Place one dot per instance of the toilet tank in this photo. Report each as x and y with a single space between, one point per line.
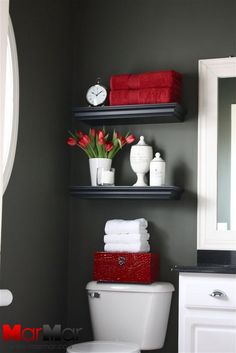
130 312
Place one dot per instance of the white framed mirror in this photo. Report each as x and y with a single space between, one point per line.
217 155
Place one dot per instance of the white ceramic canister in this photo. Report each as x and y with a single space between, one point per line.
140 157
157 171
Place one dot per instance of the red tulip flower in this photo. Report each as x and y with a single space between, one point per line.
79 134
101 137
117 134
86 139
122 140
71 141
108 146
82 144
130 139
93 132
101 134
96 144
101 141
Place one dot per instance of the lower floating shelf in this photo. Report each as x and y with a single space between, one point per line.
127 192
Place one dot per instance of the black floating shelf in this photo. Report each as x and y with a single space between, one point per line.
127 192
130 114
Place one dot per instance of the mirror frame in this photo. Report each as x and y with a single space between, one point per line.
210 70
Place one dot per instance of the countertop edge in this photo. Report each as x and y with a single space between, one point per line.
230 269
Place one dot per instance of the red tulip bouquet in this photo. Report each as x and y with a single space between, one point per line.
97 144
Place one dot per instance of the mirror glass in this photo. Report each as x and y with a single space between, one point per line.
226 155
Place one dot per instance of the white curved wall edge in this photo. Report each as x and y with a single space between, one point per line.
12 149
4 16
208 237
6 297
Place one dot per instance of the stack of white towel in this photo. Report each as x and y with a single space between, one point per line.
126 235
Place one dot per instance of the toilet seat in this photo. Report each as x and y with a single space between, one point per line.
103 347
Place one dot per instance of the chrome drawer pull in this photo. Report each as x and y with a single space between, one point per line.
217 294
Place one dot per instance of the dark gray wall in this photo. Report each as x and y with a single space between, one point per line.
109 37
133 36
35 210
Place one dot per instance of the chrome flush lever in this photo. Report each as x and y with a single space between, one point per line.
94 295
217 294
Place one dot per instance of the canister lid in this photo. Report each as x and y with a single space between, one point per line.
156 287
104 347
157 158
141 142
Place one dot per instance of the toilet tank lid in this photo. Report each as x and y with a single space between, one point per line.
156 287
104 347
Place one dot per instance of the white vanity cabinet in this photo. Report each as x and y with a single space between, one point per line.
207 313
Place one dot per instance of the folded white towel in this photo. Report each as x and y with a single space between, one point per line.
135 247
143 232
126 238
121 226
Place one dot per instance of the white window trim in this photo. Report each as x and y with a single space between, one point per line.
233 168
208 237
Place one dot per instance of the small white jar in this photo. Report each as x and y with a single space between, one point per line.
157 171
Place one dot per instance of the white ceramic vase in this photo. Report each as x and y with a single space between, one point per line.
94 164
140 158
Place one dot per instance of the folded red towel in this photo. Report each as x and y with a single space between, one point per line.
154 79
144 96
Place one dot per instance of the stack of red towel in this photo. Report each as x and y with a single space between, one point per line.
146 88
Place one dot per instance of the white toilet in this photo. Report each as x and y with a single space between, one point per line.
127 318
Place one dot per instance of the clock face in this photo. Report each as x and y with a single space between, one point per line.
96 95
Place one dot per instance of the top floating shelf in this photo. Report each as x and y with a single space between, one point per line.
130 114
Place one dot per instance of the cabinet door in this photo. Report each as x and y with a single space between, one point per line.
208 335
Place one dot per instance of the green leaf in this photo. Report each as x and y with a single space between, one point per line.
73 135
120 144
116 142
92 142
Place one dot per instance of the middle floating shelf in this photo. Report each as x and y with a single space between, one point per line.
127 192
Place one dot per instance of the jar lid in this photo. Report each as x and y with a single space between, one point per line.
141 142
157 158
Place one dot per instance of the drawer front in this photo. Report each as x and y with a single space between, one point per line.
210 291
